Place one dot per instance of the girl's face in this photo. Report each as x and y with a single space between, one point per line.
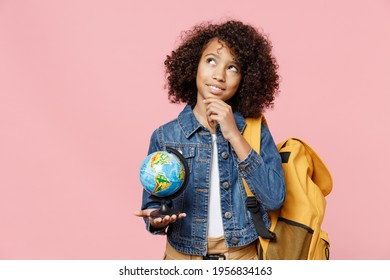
218 73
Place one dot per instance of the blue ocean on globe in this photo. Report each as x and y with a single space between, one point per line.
162 174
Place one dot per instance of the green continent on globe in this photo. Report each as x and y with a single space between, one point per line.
162 183
158 158
181 174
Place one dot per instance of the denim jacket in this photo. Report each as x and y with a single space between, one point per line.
263 174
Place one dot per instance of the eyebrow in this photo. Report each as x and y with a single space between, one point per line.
213 54
217 55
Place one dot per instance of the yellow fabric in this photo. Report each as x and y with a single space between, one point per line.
297 224
215 245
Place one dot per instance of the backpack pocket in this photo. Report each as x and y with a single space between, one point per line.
292 241
322 250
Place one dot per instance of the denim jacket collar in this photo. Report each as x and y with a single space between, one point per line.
189 124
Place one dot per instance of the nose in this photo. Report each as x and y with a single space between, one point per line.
219 74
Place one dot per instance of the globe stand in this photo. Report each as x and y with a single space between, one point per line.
164 209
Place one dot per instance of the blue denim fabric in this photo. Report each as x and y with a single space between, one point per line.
263 174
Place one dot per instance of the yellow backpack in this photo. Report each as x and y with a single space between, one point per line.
295 232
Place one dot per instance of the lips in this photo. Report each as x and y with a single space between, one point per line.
215 89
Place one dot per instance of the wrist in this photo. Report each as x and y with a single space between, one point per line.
240 146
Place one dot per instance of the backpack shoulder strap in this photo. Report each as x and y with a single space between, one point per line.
252 134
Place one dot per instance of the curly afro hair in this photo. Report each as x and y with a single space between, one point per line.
259 83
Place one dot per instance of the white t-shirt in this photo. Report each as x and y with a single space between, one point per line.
215 224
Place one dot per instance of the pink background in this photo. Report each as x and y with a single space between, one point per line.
81 90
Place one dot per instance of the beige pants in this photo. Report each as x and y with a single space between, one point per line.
216 246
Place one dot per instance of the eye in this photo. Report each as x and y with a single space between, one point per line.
211 61
233 68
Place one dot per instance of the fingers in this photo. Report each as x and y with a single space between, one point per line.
182 215
217 110
159 222
143 213
168 219
164 221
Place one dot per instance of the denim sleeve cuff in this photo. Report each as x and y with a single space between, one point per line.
156 231
250 163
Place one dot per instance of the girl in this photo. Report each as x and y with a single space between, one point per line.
225 73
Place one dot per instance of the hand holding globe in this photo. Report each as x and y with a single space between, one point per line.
164 175
160 222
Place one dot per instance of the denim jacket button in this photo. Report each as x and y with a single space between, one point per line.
225 155
228 215
243 167
225 185
234 240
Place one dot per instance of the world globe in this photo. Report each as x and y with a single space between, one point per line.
162 174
